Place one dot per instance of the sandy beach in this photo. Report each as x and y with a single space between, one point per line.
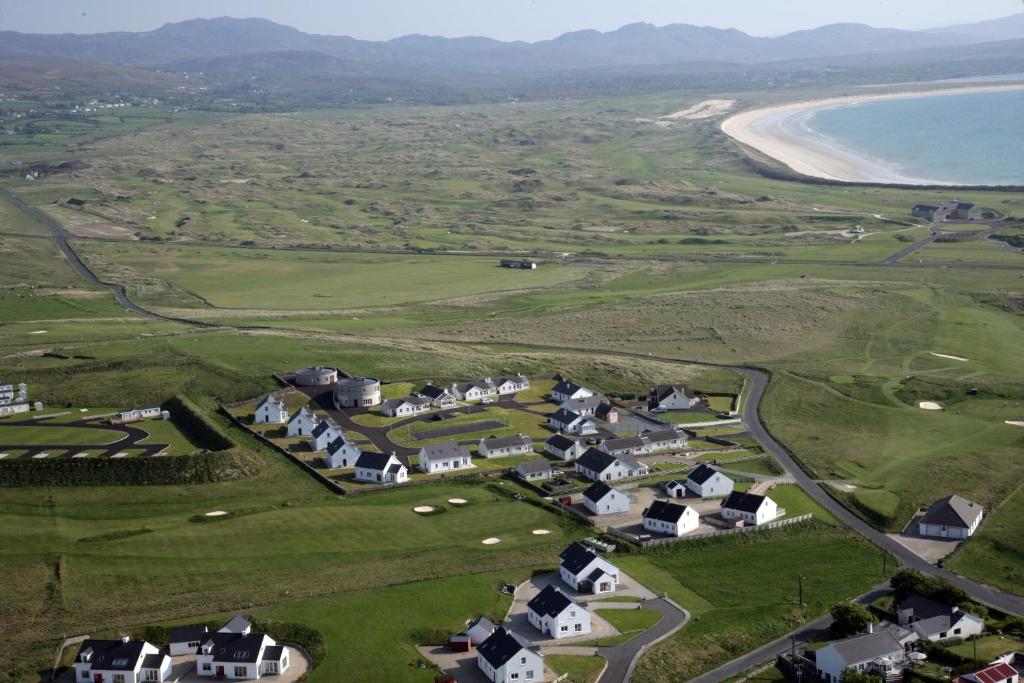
779 132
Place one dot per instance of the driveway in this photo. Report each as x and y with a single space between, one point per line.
519 623
932 550
183 670
461 665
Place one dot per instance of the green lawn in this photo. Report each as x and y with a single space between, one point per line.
989 647
577 668
62 436
629 622
996 552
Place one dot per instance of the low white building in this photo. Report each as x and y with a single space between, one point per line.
342 453
626 445
511 384
534 470
270 410
673 397
444 457
186 640
879 653
665 440
504 446
405 406
566 390
571 423
474 390
602 499
933 620
564 448
136 414
239 654
503 658
325 432
555 614
11 392
303 422
952 517
600 466
749 509
585 571
378 468
707 482
120 661
439 397
669 519
675 490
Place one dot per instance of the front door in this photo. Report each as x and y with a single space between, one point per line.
220 672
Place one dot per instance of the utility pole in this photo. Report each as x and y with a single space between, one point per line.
800 583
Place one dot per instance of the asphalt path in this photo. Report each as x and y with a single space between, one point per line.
622 659
130 438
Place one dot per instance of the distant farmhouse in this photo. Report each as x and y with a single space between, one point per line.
960 211
567 390
951 517
673 397
526 264
564 447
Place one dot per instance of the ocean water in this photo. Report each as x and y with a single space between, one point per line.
968 138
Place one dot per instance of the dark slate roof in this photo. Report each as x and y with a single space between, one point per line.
674 484
576 557
448 449
304 410
432 391
664 391
868 646
549 602
561 442
595 460
925 207
664 435
625 443
702 474
665 512
235 647
587 402
273 653
236 624
924 608
534 466
270 398
597 491
515 379
744 502
187 634
112 655
483 385
563 416
338 443
567 387
605 409
372 461
507 441
499 648
952 511
153 661
324 425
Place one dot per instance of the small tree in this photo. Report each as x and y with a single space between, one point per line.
850 618
854 676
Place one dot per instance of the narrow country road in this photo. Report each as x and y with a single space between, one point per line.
902 253
622 659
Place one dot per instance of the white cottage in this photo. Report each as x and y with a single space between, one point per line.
749 509
342 453
444 457
586 572
707 482
378 468
186 640
439 396
564 448
879 653
933 620
567 390
475 390
504 446
665 440
121 661
669 519
951 517
324 434
270 410
503 658
672 397
511 384
303 422
571 423
600 466
240 656
534 470
405 406
602 499
555 614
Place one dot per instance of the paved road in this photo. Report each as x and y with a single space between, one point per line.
622 659
130 438
902 253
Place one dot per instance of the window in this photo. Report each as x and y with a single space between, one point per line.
271 667
207 666
564 628
522 660
152 675
514 676
529 675
85 675
118 678
241 671
579 628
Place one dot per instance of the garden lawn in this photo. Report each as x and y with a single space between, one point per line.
577 668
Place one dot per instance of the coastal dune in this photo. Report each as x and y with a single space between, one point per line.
780 133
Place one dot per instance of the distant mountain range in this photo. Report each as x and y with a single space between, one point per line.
254 54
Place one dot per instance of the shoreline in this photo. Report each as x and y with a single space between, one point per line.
765 129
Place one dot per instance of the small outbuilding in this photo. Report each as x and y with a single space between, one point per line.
707 482
670 519
602 499
952 517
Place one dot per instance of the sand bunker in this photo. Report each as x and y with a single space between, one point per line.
3 455
217 513
80 455
457 501
702 110
541 532
929 405
423 508
38 332
1015 423
41 455
119 455
491 541
946 355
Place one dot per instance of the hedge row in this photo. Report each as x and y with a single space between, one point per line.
198 468
189 420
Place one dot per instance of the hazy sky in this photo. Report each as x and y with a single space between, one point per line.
503 19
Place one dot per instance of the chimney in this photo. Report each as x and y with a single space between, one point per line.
871 628
125 638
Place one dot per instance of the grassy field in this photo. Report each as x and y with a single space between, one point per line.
579 669
629 622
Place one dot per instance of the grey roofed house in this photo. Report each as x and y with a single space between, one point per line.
187 634
482 385
867 647
378 461
665 512
236 624
549 602
588 403
448 449
111 655
565 417
595 460
561 442
493 442
744 502
702 474
915 607
626 443
597 491
662 435
567 387
434 392
534 467
952 511
515 379
234 647
500 647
